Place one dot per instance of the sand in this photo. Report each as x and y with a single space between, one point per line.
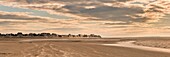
71 49
130 44
160 43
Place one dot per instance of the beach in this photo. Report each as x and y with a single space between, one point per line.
78 28
71 49
159 43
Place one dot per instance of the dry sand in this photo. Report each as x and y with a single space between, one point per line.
71 49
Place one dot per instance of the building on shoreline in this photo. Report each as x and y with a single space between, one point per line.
47 35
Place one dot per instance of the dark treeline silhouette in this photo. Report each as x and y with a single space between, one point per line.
47 35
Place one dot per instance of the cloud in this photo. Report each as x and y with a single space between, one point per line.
15 17
107 17
142 10
65 29
154 9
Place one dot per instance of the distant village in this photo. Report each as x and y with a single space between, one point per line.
47 35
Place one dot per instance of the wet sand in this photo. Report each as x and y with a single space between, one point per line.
71 49
159 43
131 44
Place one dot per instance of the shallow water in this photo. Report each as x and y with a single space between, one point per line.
130 44
33 12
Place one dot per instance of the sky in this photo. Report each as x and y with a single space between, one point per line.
109 18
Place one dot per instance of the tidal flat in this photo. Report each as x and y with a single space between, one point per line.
159 43
71 48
